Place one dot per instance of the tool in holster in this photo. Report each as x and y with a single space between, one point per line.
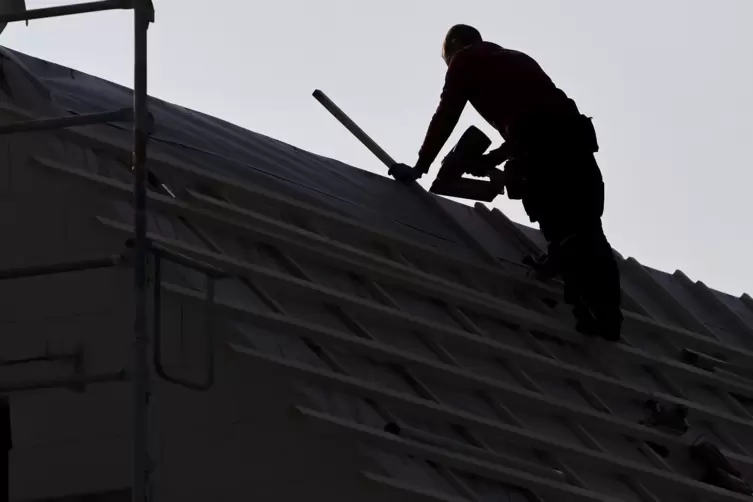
560 134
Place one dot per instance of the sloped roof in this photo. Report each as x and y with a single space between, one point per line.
409 319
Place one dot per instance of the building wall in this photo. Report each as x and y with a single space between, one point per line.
60 437
239 441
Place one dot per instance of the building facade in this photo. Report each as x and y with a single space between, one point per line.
364 340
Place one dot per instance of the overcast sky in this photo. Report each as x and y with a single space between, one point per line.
668 82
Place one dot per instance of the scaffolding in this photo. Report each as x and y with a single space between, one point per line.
138 114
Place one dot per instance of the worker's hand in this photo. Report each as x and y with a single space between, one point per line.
488 162
404 173
482 166
497 156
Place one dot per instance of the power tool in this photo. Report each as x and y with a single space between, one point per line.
464 158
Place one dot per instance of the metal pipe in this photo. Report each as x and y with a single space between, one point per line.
46 358
59 268
209 312
123 115
456 446
353 128
72 382
6 444
143 14
66 10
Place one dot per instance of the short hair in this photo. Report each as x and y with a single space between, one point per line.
461 35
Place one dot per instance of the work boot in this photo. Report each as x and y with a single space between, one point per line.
589 323
587 327
585 322
610 326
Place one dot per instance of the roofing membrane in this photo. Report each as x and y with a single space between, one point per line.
463 376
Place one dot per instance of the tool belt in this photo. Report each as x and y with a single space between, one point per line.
546 141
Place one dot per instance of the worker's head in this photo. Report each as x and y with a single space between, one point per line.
458 37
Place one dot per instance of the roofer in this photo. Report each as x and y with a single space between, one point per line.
548 150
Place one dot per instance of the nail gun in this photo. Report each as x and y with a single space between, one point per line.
466 157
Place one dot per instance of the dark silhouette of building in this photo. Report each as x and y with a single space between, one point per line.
366 343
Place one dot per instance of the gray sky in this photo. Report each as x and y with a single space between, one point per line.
669 84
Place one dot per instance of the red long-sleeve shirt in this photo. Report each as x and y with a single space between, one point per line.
503 85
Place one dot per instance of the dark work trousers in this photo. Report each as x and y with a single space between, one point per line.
566 197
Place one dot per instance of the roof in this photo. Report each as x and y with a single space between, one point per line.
409 319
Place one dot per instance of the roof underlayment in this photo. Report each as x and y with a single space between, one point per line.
463 376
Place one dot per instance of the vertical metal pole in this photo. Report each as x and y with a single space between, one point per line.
140 397
6 443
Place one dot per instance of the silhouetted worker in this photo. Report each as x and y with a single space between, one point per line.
549 147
